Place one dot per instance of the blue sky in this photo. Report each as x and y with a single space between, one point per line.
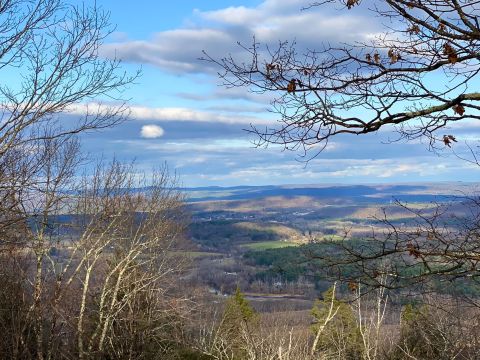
182 116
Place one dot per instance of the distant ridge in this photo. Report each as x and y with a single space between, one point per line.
368 193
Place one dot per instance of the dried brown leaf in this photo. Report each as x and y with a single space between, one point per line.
459 109
292 86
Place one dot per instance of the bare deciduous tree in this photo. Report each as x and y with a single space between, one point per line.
418 75
97 266
437 249
89 264
53 85
51 49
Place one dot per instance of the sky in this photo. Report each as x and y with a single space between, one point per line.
182 116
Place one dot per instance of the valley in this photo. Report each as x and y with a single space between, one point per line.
262 238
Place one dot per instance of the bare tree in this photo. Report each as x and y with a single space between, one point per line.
98 265
52 48
272 337
128 264
53 85
90 265
332 311
437 249
418 75
370 319
439 329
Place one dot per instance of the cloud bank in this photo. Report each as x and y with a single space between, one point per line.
200 132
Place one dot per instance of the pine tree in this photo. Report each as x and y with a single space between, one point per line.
239 321
341 336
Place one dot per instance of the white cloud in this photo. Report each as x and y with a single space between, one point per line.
239 15
188 114
172 114
234 162
340 170
151 132
204 147
218 32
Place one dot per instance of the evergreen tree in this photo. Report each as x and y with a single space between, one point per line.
239 321
341 337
